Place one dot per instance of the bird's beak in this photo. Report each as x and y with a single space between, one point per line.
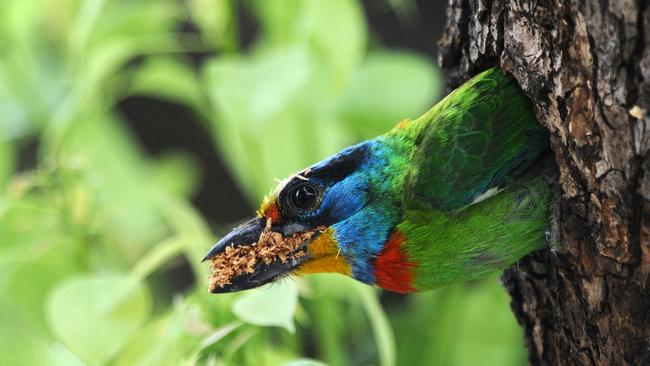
248 234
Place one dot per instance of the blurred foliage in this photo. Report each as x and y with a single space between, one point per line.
87 235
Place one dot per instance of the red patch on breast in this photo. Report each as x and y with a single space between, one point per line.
393 271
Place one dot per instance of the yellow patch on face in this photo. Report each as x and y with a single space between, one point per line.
325 256
266 204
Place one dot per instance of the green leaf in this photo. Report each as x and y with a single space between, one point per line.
337 49
219 333
59 355
273 305
389 87
94 316
169 78
252 91
304 362
130 19
165 340
22 341
33 265
158 256
280 20
254 98
125 205
217 21
338 32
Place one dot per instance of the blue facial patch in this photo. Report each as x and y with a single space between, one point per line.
357 202
344 198
361 237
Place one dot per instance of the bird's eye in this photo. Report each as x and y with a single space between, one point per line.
304 196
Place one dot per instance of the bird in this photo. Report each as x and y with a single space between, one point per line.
448 197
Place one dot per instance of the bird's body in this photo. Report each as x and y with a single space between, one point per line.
444 198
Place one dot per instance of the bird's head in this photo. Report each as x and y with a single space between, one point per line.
343 209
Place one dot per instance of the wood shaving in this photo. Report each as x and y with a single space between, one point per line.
637 112
271 246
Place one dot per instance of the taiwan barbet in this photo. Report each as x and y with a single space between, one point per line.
450 196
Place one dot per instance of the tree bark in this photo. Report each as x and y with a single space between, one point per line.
586 66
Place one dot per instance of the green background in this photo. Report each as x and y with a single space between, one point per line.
93 230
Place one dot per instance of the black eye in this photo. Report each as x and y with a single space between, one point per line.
304 196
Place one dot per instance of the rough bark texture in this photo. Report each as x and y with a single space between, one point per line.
586 66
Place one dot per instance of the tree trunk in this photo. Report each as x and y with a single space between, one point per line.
586 66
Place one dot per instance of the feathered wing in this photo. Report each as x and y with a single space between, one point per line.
478 138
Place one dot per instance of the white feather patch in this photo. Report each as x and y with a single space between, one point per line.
487 194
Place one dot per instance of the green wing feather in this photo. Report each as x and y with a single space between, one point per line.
480 136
